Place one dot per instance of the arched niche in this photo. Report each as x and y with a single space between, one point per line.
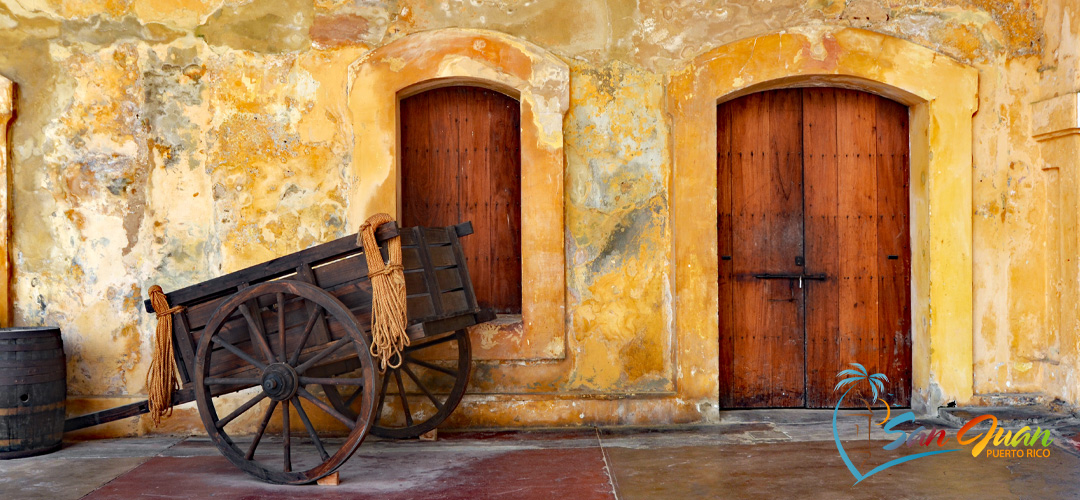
942 97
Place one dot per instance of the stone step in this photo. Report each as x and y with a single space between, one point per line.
1008 417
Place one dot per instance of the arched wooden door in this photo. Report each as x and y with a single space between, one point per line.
461 161
813 236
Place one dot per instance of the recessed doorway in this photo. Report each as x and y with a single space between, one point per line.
814 244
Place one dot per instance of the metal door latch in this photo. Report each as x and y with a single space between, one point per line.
800 277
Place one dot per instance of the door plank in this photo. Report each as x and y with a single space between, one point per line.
476 188
725 249
894 283
857 231
822 255
746 250
786 238
506 216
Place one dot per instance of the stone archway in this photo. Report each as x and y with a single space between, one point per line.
942 96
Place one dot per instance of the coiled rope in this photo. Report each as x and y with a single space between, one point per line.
389 315
161 379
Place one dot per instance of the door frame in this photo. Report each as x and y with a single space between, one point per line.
941 95
540 82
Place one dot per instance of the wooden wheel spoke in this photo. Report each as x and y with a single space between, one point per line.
308 328
323 354
331 381
430 366
231 381
404 398
286 436
281 326
416 380
262 428
424 345
236 350
325 407
335 398
349 401
382 396
256 331
220 424
311 429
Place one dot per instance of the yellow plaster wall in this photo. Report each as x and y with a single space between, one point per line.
1056 127
172 141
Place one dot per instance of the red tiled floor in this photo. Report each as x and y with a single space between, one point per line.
465 472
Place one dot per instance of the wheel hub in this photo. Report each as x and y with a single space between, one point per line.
280 381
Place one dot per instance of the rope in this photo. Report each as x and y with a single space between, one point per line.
388 309
161 379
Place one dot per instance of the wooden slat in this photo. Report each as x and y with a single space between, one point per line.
477 195
442 256
420 307
784 158
185 348
227 284
454 323
820 167
429 271
464 278
448 279
894 284
857 229
320 333
415 282
454 303
356 295
436 235
410 258
505 172
340 271
749 123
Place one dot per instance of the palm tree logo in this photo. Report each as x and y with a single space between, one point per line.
876 382
877 386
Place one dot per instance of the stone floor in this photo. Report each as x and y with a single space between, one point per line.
750 454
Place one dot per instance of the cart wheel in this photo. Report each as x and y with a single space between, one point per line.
418 396
323 347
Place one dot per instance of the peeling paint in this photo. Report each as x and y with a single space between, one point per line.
171 141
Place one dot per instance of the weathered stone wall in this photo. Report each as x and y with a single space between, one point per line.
1056 123
172 141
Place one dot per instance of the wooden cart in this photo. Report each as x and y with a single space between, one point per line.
228 338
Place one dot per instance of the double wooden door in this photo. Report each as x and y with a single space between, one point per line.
813 236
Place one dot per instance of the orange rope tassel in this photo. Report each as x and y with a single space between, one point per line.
161 379
389 315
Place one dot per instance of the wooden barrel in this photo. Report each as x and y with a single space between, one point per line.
33 388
